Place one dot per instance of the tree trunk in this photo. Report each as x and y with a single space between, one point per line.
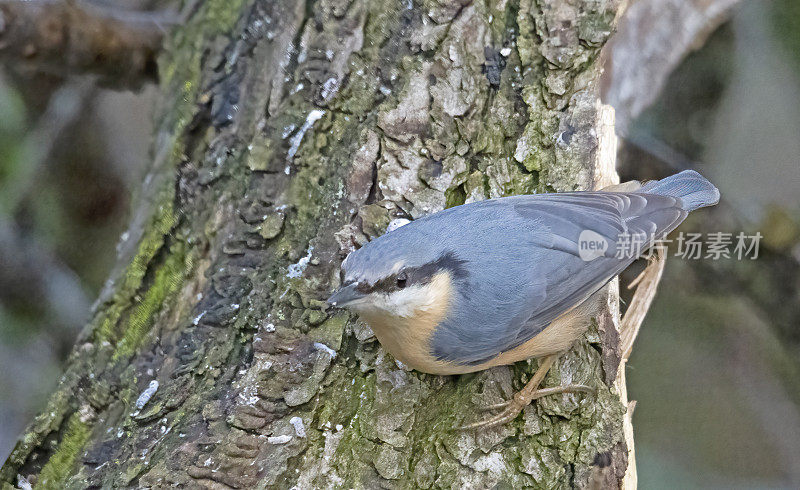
288 134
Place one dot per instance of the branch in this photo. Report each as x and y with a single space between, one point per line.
646 284
652 38
66 38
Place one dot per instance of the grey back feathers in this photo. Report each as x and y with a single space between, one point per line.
518 259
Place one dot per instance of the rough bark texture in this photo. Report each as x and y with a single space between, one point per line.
288 134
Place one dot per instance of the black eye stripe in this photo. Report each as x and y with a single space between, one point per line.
447 262
419 275
388 284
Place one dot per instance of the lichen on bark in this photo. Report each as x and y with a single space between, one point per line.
291 133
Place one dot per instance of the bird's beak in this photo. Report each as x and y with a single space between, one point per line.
345 295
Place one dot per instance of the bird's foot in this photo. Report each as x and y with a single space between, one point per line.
519 401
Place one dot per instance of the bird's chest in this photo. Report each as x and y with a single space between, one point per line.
408 336
407 339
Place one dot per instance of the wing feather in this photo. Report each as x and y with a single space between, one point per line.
558 279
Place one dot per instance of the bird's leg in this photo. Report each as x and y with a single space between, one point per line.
523 398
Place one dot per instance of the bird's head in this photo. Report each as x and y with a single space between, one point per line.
397 274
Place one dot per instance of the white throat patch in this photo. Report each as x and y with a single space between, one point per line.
406 302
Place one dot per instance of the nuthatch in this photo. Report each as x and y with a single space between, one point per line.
498 281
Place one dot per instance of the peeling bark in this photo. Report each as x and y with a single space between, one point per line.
289 134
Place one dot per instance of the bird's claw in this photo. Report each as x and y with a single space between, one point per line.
495 406
518 402
512 409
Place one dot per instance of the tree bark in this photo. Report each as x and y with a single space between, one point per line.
288 134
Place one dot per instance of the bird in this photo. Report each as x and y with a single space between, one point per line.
498 281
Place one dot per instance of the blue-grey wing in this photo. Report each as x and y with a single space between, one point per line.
550 277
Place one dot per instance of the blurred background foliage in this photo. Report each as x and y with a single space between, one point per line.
716 367
71 155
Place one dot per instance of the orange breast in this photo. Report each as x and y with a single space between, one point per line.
409 338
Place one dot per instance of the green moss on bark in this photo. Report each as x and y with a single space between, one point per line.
167 279
62 462
152 241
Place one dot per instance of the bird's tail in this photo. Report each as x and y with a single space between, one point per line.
694 190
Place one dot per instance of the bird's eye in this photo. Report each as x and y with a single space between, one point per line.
402 279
